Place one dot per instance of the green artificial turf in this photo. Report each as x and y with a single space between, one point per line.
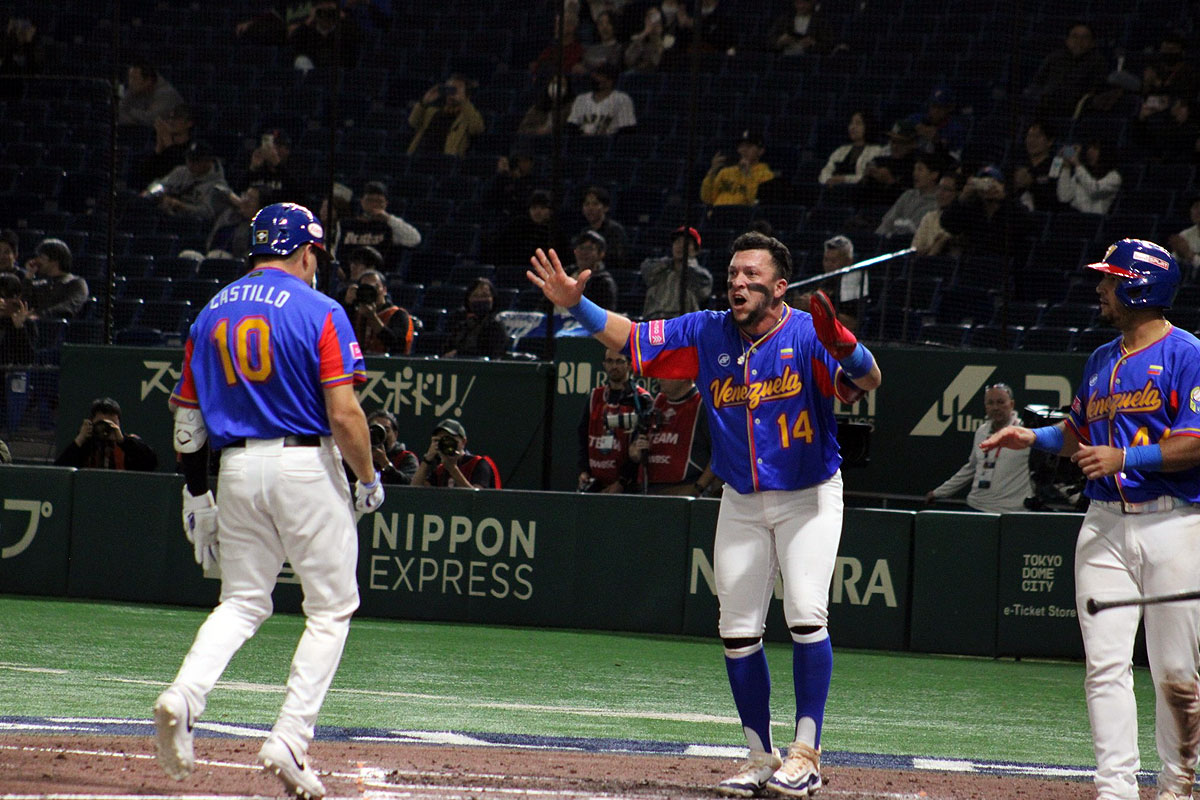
60 658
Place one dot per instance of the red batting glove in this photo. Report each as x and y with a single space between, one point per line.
835 336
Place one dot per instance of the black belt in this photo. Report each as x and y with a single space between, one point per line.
299 440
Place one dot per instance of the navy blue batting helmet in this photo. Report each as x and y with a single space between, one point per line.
278 229
1149 272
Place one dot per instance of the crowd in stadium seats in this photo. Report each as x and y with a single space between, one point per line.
444 112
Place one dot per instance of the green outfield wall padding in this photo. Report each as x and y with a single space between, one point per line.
1036 612
35 529
954 583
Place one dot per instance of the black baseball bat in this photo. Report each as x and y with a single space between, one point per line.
1094 605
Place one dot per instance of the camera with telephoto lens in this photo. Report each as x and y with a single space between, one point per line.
103 429
378 434
633 421
366 294
447 445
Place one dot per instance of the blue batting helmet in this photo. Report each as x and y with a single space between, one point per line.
280 228
1150 275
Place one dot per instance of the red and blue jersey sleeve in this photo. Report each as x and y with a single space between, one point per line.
184 393
340 356
667 348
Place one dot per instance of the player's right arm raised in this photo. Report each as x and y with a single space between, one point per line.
1057 439
547 274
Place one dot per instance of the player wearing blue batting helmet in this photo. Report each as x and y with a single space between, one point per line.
279 229
1150 275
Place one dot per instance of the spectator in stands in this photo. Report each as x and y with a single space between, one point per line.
987 219
1168 76
448 462
271 167
674 447
889 174
604 462
803 31
332 217
381 327
939 129
101 444
848 162
999 479
23 48
715 28
230 236
931 239
663 276
1185 245
357 262
444 118
539 118
9 246
603 111
191 190
172 137
5 453
517 240
396 463
1069 74
1170 136
853 289
475 332
374 226
546 64
596 203
902 219
507 192
1089 181
18 328
737 184
607 49
679 31
327 39
270 27
147 97
601 288
54 291
1032 182
645 50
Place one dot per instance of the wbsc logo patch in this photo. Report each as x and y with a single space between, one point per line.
657 332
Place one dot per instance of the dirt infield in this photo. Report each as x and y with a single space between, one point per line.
124 766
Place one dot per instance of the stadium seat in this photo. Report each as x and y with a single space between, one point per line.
948 334
151 290
1069 315
137 336
224 270
994 337
196 291
168 316
1048 338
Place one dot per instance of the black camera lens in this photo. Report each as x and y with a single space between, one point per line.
447 445
378 434
367 293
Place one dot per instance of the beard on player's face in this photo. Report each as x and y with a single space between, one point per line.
752 303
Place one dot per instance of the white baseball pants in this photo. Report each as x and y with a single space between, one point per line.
1126 555
763 534
278 503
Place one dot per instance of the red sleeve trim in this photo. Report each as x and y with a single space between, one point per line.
1079 435
329 348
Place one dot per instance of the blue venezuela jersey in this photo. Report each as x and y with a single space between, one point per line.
771 418
1136 398
259 355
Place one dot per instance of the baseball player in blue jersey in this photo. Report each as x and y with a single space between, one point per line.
768 374
1134 430
268 379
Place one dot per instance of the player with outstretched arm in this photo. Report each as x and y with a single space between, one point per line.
268 378
769 374
1134 430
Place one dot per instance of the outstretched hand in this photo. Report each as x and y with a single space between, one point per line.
1014 437
1099 461
547 274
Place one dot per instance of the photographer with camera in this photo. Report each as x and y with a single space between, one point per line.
101 444
672 443
382 328
610 417
448 462
396 464
444 118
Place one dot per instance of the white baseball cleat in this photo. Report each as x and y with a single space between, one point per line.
753 775
800 775
300 781
173 725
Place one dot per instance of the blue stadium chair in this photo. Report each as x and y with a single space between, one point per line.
175 268
460 238
1081 289
85 331
430 266
152 290
1088 339
1023 313
158 245
946 334
443 296
506 299
1048 339
729 216
1069 315
433 320
992 337
137 336
462 273
136 266
221 269
43 181
168 316
405 295
968 304
126 311
196 291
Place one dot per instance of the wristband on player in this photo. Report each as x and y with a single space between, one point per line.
1142 458
1049 438
592 317
372 486
859 363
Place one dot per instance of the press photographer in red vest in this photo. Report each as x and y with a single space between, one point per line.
447 462
381 326
673 446
609 418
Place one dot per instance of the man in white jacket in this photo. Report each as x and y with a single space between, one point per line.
1000 479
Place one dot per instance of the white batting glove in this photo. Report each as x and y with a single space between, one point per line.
368 497
200 525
